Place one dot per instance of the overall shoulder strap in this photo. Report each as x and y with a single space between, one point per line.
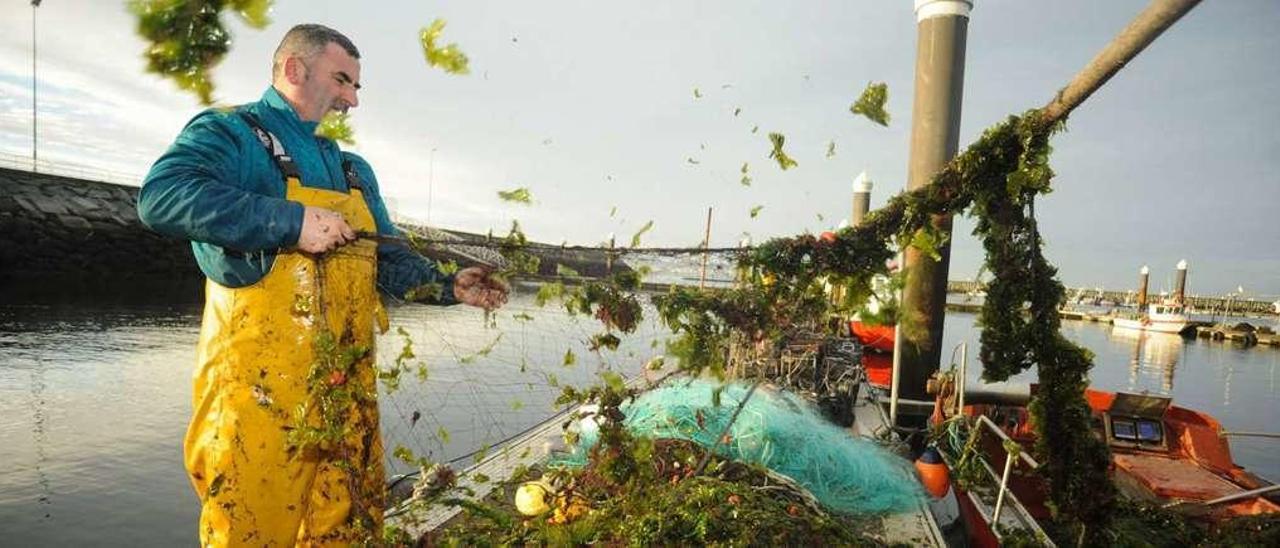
273 147
353 177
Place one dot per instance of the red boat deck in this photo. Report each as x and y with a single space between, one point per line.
1175 478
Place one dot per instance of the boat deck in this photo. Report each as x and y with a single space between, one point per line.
916 527
1175 478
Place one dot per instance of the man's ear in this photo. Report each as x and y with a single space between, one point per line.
294 71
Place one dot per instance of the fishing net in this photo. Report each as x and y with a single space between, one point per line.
775 429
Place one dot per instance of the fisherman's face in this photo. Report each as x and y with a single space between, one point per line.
332 83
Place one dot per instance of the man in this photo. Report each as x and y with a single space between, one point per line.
283 445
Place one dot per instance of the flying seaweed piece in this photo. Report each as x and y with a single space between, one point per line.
697 94
482 352
785 162
520 195
871 103
755 129
755 211
187 39
831 149
613 211
746 179
737 111
414 419
570 358
603 340
334 126
635 238
692 161
448 58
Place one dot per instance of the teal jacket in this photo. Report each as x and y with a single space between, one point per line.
218 187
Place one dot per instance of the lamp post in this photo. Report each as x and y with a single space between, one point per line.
35 166
431 182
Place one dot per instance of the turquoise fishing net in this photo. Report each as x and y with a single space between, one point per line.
775 429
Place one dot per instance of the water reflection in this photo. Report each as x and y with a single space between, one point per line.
1154 355
40 438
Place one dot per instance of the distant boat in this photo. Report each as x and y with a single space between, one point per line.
1168 317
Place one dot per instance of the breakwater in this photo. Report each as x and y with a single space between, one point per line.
65 237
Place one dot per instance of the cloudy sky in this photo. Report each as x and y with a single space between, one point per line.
591 105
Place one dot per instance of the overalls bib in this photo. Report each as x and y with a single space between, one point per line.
283 446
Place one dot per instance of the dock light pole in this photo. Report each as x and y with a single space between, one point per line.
942 29
1180 283
1144 276
861 198
35 166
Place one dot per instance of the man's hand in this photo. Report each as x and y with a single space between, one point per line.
477 287
323 230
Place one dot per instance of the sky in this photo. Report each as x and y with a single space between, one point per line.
591 105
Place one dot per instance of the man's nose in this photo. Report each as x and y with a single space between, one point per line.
353 97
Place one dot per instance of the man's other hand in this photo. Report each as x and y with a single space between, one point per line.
476 286
323 230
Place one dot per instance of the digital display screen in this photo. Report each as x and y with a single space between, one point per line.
1149 431
1124 429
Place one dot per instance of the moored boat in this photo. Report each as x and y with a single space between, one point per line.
1169 317
1162 455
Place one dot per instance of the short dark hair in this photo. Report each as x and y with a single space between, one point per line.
307 41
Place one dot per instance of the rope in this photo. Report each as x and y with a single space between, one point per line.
496 243
725 431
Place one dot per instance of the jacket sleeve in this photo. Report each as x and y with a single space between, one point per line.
200 190
400 269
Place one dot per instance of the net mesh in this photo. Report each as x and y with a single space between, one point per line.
775 429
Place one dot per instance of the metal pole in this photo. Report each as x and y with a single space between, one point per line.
896 371
1143 279
706 243
963 380
431 182
942 28
1004 486
35 164
1180 283
897 375
608 256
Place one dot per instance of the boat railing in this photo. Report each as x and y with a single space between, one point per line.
1013 453
1272 435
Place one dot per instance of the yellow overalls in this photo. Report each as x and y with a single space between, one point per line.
285 423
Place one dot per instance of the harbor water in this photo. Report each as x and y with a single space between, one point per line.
94 400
